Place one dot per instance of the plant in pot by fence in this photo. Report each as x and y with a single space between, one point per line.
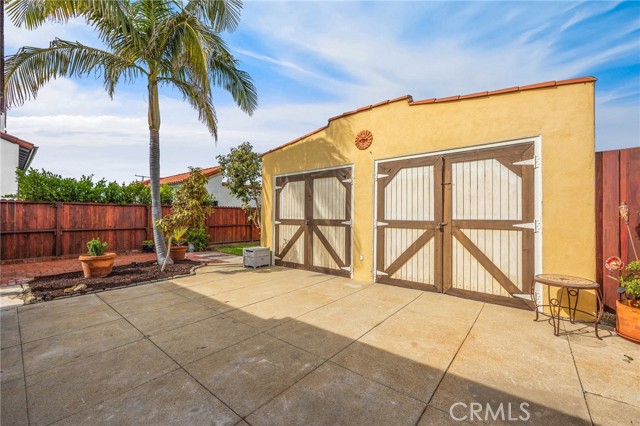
98 263
176 244
148 246
189 210
628 303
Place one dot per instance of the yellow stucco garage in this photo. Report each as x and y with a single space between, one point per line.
468 195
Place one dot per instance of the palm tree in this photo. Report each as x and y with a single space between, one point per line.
170 42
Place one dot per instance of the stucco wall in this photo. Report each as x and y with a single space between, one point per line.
8 163
563 116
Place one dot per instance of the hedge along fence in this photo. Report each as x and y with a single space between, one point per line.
37 230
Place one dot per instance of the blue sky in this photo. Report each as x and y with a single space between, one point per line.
314 60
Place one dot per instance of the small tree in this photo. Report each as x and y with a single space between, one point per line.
243 170
190 208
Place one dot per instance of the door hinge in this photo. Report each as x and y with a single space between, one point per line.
347 222
349 180
535 162
381 175
381 224
384 274
535 225
346 268
277 187
276 257
277 222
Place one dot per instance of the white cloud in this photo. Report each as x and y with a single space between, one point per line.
348 54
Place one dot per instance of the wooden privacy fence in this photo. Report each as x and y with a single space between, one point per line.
33 230
617 182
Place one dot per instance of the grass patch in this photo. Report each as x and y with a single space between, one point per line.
235 248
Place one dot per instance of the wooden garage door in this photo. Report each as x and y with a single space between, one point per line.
459 223
313 221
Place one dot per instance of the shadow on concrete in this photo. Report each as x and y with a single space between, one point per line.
330 379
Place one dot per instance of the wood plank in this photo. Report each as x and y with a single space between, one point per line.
291 242
332 252
439 190
486 263
407 284
308 214
507 161
528 216
409 224
447 238
413 248
514 302
506 225
610 221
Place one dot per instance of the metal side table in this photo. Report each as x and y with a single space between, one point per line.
572 285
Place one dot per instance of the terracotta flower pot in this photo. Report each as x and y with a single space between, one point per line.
628 321
97 266
177 253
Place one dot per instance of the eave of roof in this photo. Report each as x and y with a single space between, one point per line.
13 139
181 177
27 150
411 102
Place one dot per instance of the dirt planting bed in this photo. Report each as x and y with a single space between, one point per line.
50 287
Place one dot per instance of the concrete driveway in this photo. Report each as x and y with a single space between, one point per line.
286 347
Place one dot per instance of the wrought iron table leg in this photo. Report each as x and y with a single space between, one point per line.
533 298
555 305
572 313
600 312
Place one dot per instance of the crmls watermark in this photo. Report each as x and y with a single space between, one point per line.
475 411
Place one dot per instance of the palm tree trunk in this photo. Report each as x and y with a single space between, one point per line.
154 170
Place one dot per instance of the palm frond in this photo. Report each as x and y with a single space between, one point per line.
186 46
224 72
31 68
221 15
199 99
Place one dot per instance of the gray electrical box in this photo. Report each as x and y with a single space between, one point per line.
256 256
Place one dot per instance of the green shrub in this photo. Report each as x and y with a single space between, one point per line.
42 185
97 247
199 237
631 280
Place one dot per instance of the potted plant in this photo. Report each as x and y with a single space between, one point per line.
98 263
177 243
148 246
628 303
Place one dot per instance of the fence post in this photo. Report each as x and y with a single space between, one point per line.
59 229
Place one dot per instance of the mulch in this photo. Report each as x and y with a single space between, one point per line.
50 287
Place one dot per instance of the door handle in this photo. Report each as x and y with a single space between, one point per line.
441 226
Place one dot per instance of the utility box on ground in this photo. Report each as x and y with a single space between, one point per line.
256 256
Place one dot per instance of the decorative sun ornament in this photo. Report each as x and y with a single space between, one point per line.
364 139
614 263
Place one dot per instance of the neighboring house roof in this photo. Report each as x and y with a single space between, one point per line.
411 102
26 151
179 178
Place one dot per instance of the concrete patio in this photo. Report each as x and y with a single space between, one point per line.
288 347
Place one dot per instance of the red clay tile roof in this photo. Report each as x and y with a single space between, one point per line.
411 102
17 141
179 178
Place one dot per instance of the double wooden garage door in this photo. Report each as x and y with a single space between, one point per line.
461 223
313 221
